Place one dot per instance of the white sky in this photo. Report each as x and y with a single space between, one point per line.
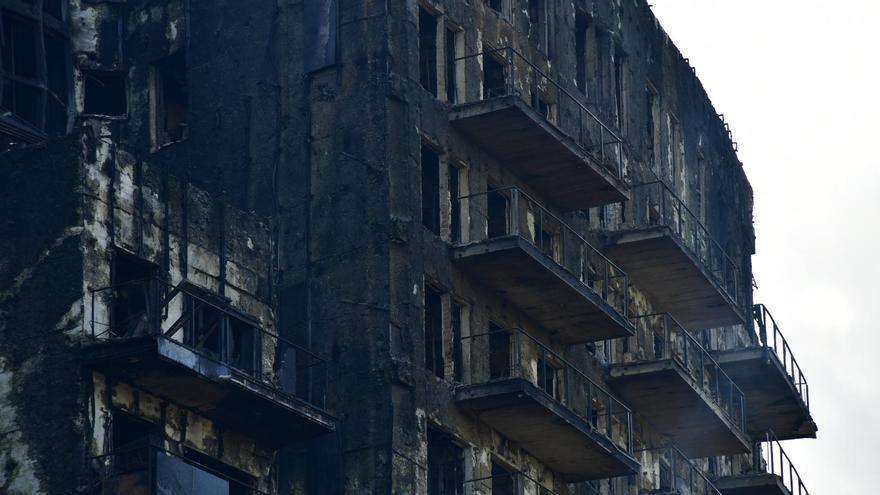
798 82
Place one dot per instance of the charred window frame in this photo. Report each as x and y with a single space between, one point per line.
539 25
169 100
430 165
621 88
34 71
428 74
445 464
652 127
434 332
582 44
500 7
105 94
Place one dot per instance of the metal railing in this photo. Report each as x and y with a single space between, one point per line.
142 467
679 475
660 337
210 328
509 483
521 78
654 204
510 211
770 458
513 353
773 340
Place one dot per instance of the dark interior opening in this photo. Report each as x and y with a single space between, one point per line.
428 50
132 282
239 481
434 332
456 322
105 93
503 480
430 189
173 99
580 47
548 377
451 82
494 80
445 464
206 328
496 5
454 187
497 209
499 352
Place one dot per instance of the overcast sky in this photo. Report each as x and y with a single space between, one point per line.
798 82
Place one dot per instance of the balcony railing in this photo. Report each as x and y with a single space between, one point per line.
510 483
660 337
510 211
772 339
770 458
521 78
142 468
513 353
680 475
654 204
211 329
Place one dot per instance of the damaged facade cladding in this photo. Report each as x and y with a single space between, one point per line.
333 246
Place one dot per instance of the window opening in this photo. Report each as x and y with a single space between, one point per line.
454 188
105 93
445 464
494 77
498 213
428 50
581 51
132 277
503 481
171 99
430 189
434 332
499 352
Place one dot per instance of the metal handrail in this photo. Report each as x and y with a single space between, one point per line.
670 341
577 391
520 479
684 474
141 457
538 81
160 296
656 204
779 345
771 458
529 220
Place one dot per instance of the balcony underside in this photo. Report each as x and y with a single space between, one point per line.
677 283
518 271
754 484
773 400
537 152
675 406
564 442
174 372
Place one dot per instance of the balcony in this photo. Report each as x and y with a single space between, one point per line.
144 469
528 256
189 347
667 376
672 257
539 131
772 381
677 475
773 473
534 397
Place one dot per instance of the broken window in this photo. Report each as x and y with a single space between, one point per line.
497 213
503 480
445 464
499 352
581 25
211 476
33 78
434 332
428 50
620 92
538 25
457 322
494 78
549 376
652 107
221 336
170 100
132 295
455 193
454 49
430 189
105 93
665 475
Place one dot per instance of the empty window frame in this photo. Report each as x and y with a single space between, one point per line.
581 44
549 376
499 6
497 213
499 352
503 480
428 50
456 176
105 93
675 153
454 51
457 316
620 88
445 464
434 332
652 128
494 77
132 295
33 78
539 29
218 335
430 162
170 100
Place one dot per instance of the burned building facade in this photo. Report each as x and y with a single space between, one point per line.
356 246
